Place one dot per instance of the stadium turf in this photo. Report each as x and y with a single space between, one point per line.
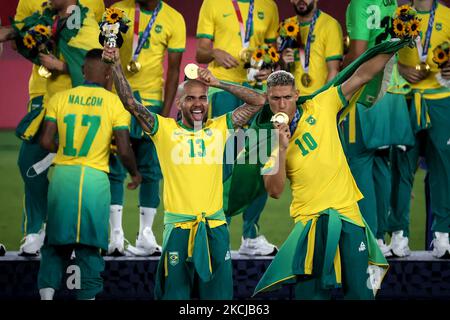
275 223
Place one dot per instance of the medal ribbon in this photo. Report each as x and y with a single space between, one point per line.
423 51
294 122
138 44
245 34
305 54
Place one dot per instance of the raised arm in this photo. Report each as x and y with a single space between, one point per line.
254 100
364 74
140 112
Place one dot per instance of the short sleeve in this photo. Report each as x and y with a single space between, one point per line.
334 45
205 26
272 30
331 100
51 110
23 10
177 41
122 118
357 18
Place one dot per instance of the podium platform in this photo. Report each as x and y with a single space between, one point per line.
419 276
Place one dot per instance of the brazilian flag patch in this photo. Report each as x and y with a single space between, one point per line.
174 258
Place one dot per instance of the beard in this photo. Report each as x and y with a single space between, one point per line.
309 8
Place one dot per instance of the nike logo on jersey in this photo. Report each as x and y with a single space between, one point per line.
227 15
362 247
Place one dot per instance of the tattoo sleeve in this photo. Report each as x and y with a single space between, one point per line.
140 112
249 96
243 114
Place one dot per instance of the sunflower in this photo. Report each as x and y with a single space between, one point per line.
414 27
113 15
273 54
440 56
291 29
258 55
399 27
43 30
403 10
29 41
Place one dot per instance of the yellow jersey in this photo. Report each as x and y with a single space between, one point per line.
326 45
218 22
316 164
168 33
86 117
440 34
192 168
25 8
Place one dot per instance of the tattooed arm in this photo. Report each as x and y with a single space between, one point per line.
140 112
254 100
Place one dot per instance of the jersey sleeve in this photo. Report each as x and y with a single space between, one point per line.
121 117
334 45
205 26
177 41
357 19
272 30
331 100
51 110
23 10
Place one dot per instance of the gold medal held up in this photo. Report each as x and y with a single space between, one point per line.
306 80
245 55
44 72
280 117
191 71
134 67
423 66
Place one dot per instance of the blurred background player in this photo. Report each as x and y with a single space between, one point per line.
85 119
321 39
368 24
35 197
155 28
423 92
223 40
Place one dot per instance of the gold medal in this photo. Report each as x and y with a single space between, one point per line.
306 80
191 71
423 66
245 55
280 117
134 67
44 72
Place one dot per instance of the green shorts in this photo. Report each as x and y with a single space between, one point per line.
180 280
78 206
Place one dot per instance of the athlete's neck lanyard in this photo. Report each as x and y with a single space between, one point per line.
294 122
423 50
305 54
138 44
245 33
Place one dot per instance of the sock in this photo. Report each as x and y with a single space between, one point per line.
146 217
115 217
47 293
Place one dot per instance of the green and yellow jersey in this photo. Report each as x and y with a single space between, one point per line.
440 34
193 164
316 164
218 22
25 8
86 117
326 45
168 33
370 20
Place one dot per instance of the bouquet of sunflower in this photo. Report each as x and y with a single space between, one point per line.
288 33
405 23
114 23
264 57
441 56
